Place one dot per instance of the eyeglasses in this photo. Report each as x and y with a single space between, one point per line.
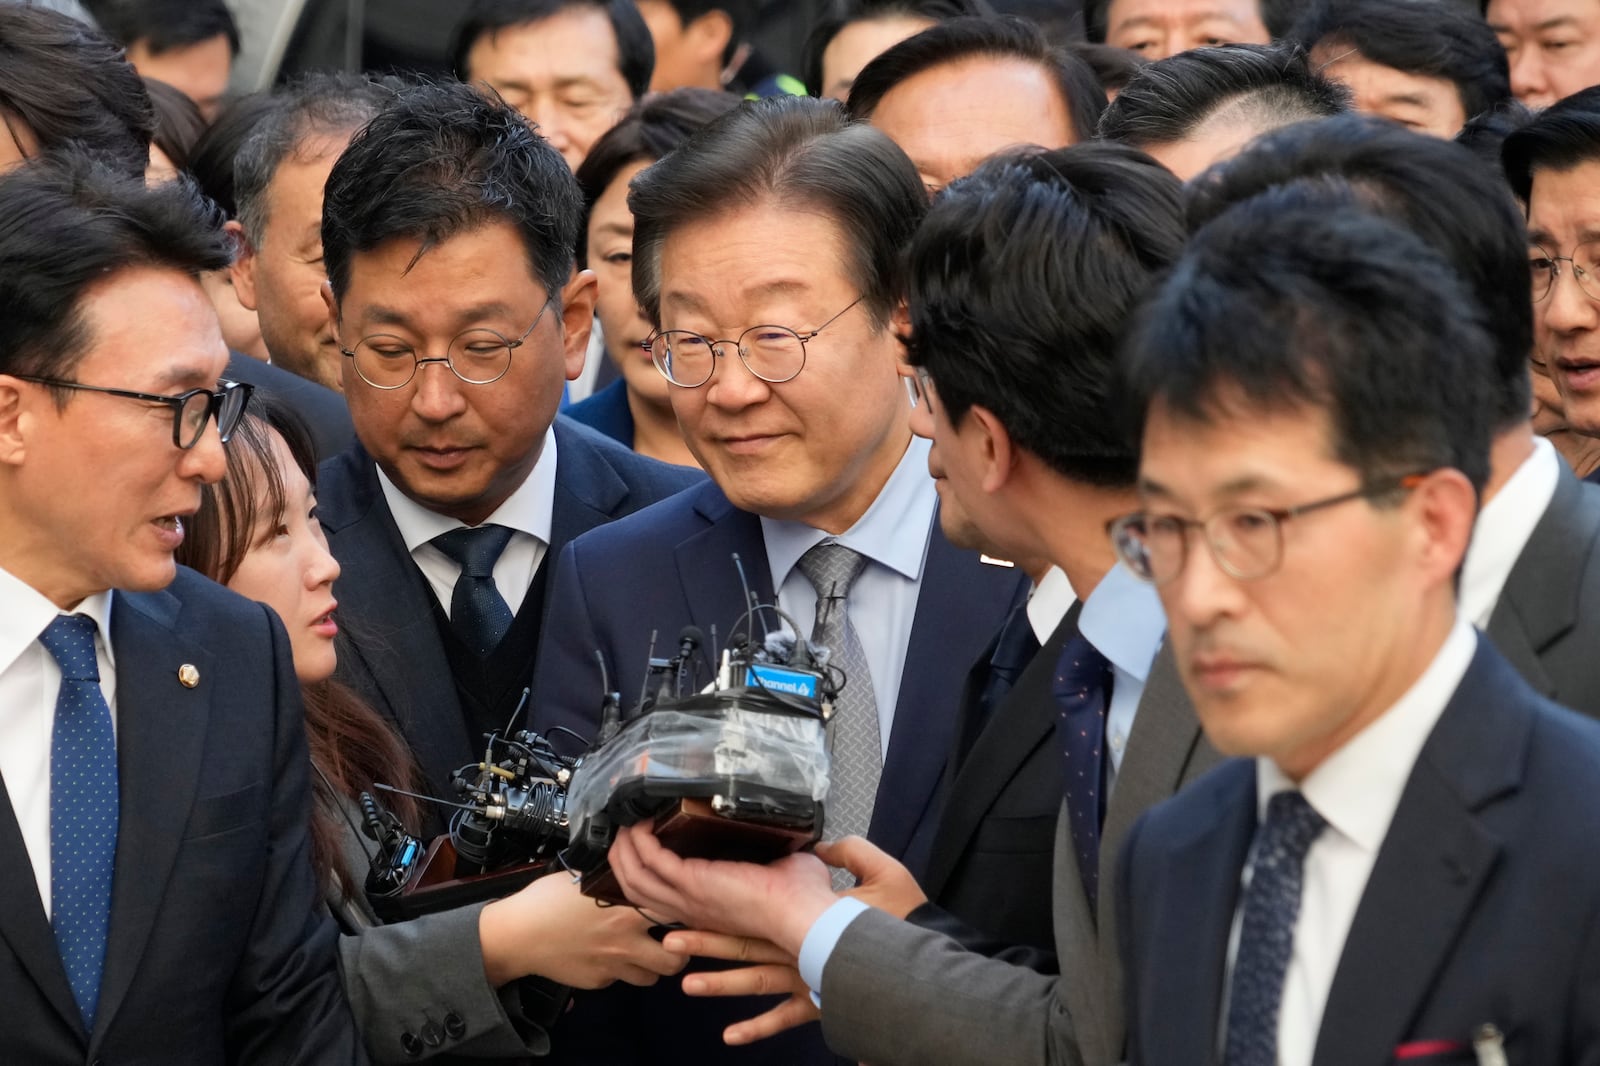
1545 268
920 384
1246 542
190 410
774 354
478 356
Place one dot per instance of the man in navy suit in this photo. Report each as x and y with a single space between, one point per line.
448 231
767 257
156 896
1319 402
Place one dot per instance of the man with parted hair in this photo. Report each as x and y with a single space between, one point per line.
966 88
767 257
571 67
1199 107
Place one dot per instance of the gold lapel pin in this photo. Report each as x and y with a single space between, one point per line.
188 676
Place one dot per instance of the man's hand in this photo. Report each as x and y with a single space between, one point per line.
777 902
884 883
772 973
551 930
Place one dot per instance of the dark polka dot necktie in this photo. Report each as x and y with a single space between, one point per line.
1083 696
478 613
83 810
1266 932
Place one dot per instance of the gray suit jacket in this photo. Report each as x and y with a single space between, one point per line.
896 993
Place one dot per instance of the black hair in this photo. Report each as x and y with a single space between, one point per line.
69 84
1485 134
1020 283
1113 67
1428 38
1061 21
974 36
1560 137
837 14
442 159
740 13
68 220
1277 15
1265 86
1432 187
636 54
655 126
1300 298
211 161
796 152
313 106
165 24
179 123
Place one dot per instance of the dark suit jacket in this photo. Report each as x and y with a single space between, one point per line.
219 949
1481 906
322 410
391 649
607 412
671 566
1547 621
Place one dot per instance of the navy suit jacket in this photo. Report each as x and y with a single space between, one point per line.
1481 907
323 411
671 566
390 648
607 412
219 948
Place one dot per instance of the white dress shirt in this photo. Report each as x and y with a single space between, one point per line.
1502 530
1356 790
1049 603
893 535
526 512
29 683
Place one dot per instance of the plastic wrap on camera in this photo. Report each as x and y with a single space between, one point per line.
775 752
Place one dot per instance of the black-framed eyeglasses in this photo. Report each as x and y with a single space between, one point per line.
190 410
1545 268
774 354
1246 542
478 356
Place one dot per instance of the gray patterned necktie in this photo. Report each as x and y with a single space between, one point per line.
1266 934
853 736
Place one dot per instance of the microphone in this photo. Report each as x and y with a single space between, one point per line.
689 640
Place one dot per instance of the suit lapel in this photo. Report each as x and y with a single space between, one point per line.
709 577
22 922
1432 866
161 734
588 490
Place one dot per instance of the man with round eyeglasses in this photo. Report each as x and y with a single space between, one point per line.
156 896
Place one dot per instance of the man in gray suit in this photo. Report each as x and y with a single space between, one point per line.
1014 385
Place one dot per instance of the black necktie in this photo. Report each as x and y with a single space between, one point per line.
1083 696
478 613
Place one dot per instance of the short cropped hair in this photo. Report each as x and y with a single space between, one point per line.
1484 135
1432 187
165 24
1293 299
1277 15
68 221
1020 283
1428 38
441 160
995 37
314 106
636 53
797 152
1560 137
654 127
70 84
837 14
1266 86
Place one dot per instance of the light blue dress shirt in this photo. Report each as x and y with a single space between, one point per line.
893 535
1123 619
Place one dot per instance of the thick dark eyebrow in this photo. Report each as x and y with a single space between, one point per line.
465 319
690 302
1237 487
617 228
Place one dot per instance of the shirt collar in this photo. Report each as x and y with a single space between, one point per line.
1124 621
1049 603
893 532
526 510
1357 788
28 612
1502 530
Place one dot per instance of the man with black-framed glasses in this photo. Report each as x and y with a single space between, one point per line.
156 894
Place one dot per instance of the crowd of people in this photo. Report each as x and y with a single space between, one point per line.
1179 418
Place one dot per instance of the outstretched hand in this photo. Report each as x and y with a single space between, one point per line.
772 972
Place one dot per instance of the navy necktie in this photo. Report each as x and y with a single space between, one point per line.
83 810
1266 934
1083 695
1014 649
478 613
